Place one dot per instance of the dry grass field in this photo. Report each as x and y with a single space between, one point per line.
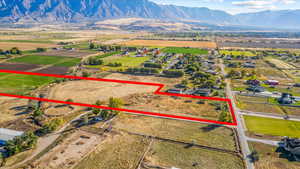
11 108
91 91
24 45
168 155
269 159
281 64
173 105
120 151
203 134
164 43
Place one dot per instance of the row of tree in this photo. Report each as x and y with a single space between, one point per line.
12 51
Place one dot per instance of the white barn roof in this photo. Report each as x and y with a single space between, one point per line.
8 134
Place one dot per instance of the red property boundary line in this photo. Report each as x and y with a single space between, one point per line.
157 92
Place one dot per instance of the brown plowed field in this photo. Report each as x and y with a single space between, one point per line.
165 43
60 70
18 66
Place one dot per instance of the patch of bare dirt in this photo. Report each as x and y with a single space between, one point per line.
70 151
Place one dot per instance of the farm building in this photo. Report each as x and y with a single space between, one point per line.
8 134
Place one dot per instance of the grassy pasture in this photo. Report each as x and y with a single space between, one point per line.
19 84
273 127
195 51
47 60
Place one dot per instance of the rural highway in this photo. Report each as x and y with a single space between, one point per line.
240 129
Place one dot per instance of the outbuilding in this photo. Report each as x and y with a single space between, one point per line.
8 134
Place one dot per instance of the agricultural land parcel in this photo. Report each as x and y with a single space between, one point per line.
270 159
172 154
25 45
164 43
272 127
195 51
47 60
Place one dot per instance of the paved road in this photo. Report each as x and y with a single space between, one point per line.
267 115
240 129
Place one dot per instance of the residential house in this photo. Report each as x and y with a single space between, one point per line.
292 147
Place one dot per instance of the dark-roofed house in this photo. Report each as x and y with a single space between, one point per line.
292 147
8 134
286 98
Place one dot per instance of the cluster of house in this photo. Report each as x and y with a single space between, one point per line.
285 98
255 85
145 51
247 64
291 147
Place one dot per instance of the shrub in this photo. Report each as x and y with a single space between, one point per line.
41 49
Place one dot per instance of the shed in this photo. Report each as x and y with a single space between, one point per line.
8 134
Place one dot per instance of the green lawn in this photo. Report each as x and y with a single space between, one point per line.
69 62
275 127
127 61
47 60
20 84
184 50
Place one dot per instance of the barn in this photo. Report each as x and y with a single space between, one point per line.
8 134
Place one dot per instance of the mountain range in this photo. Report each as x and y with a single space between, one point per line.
49 11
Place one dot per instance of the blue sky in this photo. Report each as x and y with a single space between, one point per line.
237 6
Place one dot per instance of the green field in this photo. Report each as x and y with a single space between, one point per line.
237 53
47 60
184 50
274 127
20 84
127 61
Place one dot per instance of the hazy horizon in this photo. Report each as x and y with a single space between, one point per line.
237 6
